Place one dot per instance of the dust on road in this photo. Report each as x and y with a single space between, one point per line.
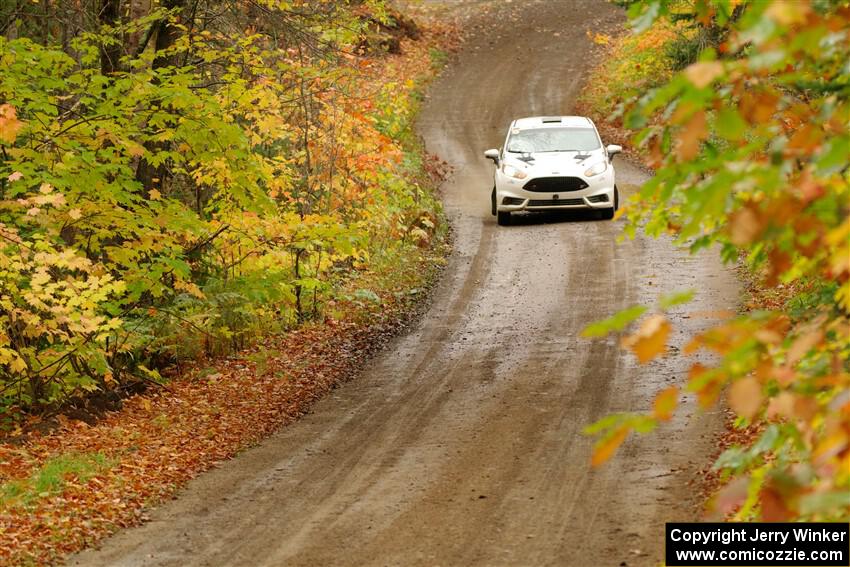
461 445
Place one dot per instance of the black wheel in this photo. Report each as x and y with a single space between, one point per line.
607 214
616 198
504 218
493 201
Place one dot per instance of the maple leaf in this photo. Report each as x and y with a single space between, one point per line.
190 288
704 73
781 406
650 340
806 139
17 364
689 137
731 496
9 123
605 448
135 150
773 506
803 344
745 225
787 12
745 397
759 107
665 403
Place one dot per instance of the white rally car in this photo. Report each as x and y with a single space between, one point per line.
553 163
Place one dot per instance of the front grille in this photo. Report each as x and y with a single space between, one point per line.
555 184
554 202
598 199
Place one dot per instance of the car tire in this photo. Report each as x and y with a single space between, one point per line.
493 202
503 218
616 198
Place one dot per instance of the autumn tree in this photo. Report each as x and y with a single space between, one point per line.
177 177
751 148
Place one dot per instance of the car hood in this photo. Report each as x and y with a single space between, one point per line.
554 163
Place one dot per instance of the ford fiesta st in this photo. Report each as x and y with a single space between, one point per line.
553 163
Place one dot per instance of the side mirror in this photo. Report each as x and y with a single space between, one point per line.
613 150
493 155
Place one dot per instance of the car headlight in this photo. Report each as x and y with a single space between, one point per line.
596 169
514 172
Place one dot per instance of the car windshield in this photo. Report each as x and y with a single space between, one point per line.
553 140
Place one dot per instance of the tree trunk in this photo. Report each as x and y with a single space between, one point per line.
166 35
110 54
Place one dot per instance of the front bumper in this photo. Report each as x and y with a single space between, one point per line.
510 196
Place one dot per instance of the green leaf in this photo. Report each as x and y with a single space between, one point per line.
835 156
670 300
616 322
836 501
607 422
644 18
729 124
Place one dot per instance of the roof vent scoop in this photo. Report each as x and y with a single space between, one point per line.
551 119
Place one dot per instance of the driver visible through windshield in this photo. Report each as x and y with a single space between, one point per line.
553 140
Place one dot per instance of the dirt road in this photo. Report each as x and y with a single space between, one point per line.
461 445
